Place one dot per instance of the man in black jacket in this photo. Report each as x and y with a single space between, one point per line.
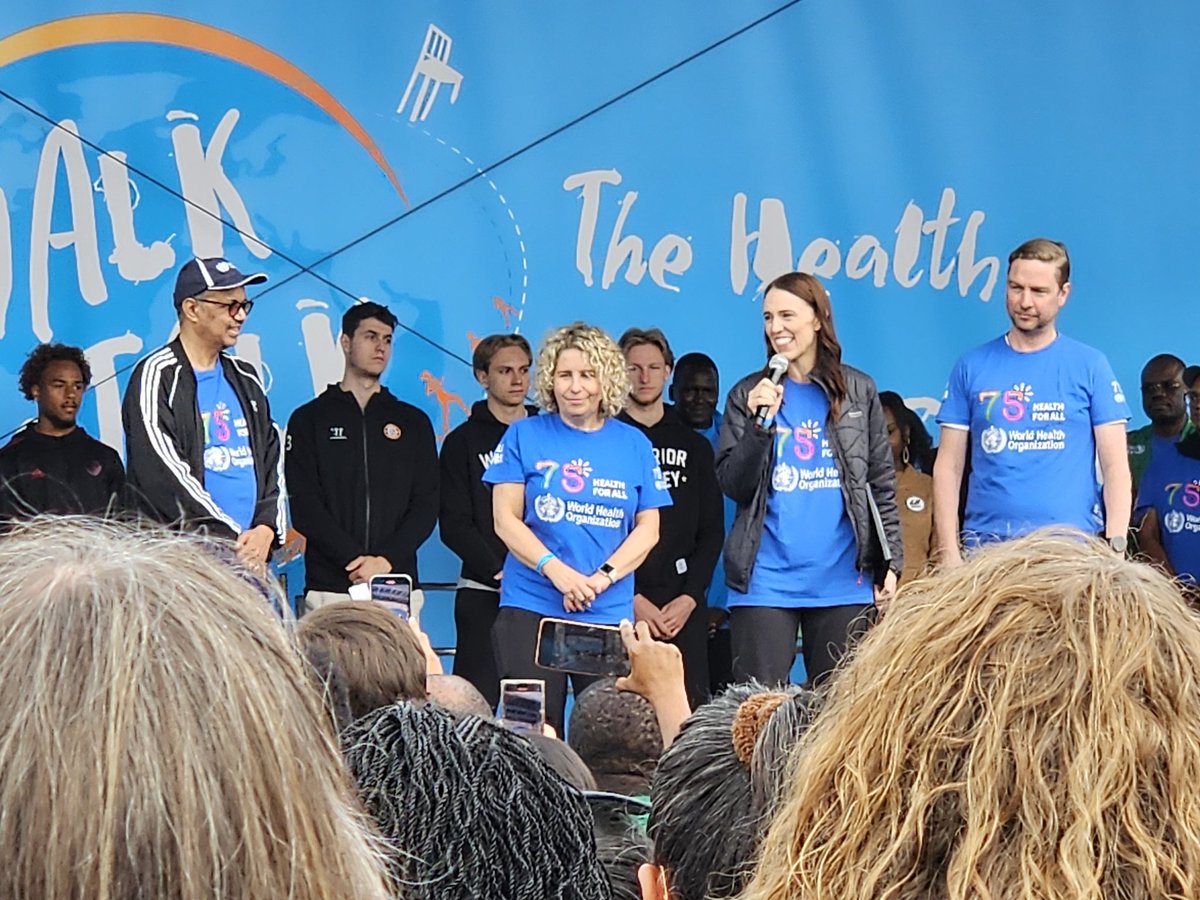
670 585
362 469
201 447
52 465
501 364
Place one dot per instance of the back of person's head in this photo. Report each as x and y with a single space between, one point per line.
622 854
470 809
717 785
616 734
329 683
1027 725
562 759
159 736
455 693
375 651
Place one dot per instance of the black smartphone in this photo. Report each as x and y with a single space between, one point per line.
581 648
393 591
522 704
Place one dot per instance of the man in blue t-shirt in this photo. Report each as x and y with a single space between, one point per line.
1037 409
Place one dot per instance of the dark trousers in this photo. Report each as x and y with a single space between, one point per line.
764 639
720 661
514 640
474 659
692 641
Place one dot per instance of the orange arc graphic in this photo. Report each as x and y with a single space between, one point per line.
150 28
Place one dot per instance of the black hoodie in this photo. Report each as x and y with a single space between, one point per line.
361 482
74 473
692 529
466 521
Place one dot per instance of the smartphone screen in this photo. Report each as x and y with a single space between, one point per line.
523 703
393 591
578 647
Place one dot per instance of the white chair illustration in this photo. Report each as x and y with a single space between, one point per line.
433 68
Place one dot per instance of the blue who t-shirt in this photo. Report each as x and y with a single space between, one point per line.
583 490
806 558
1033 450
1171 485
228 462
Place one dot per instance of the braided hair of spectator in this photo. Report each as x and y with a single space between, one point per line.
470 810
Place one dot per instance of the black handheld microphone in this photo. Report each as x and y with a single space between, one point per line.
778 365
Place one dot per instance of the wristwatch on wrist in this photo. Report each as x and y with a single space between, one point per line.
1119 543
608 572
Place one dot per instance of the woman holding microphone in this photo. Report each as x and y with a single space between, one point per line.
816 540
575 499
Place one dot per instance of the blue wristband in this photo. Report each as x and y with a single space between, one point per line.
541 563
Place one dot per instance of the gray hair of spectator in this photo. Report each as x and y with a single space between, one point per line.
471 810
160 736
617 735
455 693
562 759
622 853
717 786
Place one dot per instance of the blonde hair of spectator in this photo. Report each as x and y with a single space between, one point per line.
602 352
159 735
1027 725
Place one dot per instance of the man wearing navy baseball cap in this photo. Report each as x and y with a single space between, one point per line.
200 444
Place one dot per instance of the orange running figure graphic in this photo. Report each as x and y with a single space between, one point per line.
473 339
435 387
505 310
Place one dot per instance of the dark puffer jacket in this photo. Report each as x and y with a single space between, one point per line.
864 461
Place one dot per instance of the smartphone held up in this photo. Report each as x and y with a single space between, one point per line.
523 704
393 591
581 648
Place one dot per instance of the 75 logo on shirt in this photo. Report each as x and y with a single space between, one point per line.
574 475
1012 402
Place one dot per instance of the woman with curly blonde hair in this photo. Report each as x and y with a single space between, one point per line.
576 502
158 735
1027 725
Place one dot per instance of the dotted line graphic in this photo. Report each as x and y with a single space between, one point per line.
512 218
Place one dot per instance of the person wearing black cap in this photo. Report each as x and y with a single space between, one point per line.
201 448
52 465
